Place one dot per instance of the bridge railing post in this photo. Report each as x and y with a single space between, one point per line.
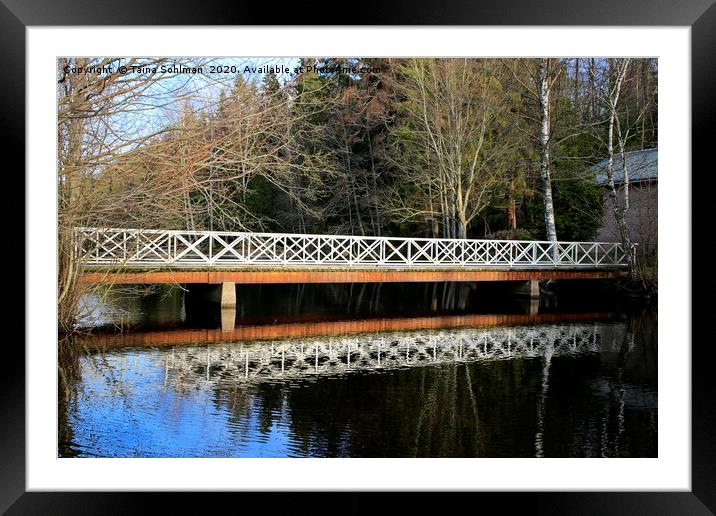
210 257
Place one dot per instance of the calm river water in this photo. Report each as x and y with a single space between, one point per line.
439 370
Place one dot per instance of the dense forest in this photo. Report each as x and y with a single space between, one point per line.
450 148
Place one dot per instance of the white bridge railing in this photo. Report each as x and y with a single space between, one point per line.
197 249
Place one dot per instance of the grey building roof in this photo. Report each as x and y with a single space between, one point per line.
642 165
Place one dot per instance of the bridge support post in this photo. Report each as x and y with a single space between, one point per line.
228 319
228 295
534 289
534 306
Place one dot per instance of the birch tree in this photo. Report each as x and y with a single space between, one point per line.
617 73
449 148
548 73
536 79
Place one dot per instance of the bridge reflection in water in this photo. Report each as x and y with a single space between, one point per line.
472 385
294 359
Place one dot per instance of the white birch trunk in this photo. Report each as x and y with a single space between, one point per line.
545 89
621 206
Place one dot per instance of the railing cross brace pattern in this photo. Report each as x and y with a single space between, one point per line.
162 248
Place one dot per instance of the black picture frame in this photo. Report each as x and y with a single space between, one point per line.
700 15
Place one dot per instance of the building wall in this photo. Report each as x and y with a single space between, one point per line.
642 219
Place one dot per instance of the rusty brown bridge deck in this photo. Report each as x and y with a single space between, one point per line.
338 276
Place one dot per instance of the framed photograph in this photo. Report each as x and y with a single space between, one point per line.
419 254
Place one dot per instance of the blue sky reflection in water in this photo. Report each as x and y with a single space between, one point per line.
128 409
574 388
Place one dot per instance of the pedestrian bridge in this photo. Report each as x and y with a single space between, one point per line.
112 255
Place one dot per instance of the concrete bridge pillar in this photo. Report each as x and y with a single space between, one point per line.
228 319
228 295
534 306
534 289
